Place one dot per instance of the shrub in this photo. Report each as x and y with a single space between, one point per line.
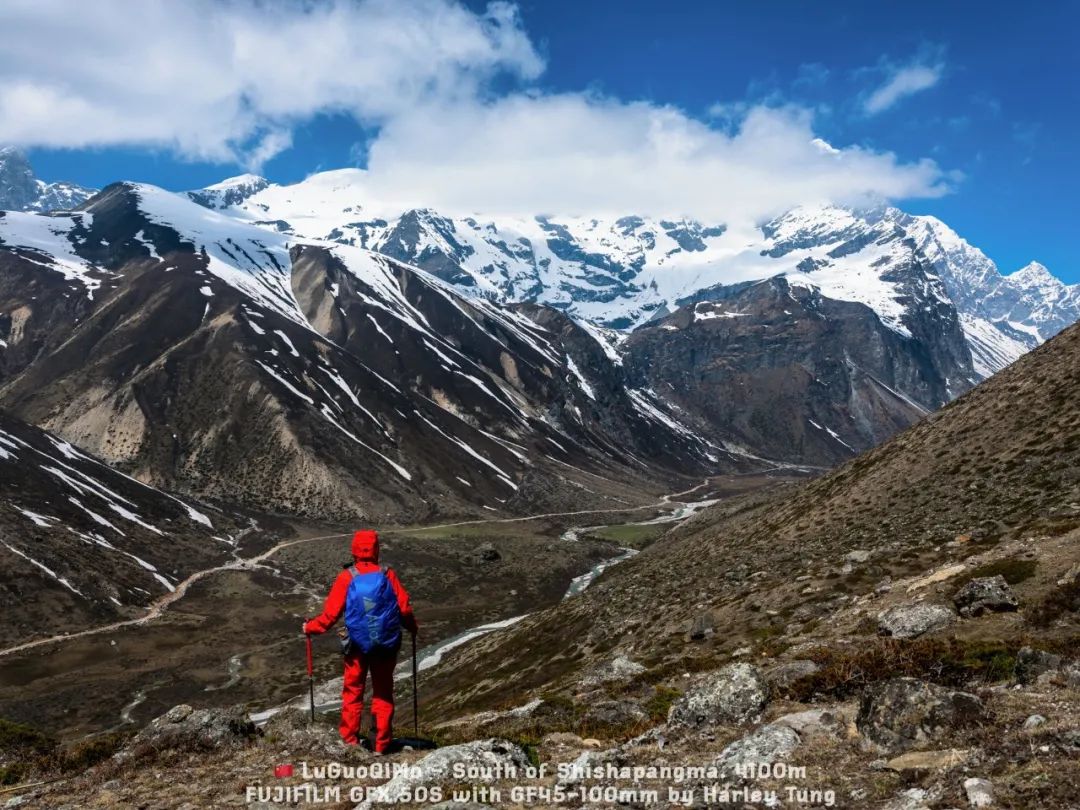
949 662
1014 570
658 705
1061 599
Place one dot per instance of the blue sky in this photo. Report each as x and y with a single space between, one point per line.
990 97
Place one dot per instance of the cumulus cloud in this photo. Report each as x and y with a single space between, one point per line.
575 153
902 82
227 80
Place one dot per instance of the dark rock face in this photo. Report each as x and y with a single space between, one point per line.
985 594
898 714
231 192
794 375
443 258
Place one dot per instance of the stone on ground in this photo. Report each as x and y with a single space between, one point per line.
983 595
898 714
734 694
912 621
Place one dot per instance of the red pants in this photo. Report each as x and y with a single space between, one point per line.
357 666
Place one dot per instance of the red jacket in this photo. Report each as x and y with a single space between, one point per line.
335 602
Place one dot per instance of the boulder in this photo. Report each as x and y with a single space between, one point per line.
911 621
734 694
183 728
486 553
784 675
619 668
1069 739
612 714
701 627
1034 721
815 723
1030 664
763 746
928 760
985 594
487 761
903 712
292 730
581 768
910 799
980 793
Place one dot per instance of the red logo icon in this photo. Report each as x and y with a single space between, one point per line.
283 771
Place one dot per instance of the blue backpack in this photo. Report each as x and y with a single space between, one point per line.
372 615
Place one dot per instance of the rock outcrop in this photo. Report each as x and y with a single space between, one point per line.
905 712
912 621
735 694
985 595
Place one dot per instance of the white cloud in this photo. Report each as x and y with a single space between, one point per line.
903 82
209 79
573 153
227 81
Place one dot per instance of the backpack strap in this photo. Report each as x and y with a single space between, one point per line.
353 572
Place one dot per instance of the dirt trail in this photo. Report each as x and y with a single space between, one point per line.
159 605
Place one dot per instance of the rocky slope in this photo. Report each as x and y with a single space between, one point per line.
82 543
957 539
207 355
20 190
782 369
993 472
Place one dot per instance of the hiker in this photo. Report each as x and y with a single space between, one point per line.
376 607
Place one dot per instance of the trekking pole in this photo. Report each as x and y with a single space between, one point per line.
310 676
415 702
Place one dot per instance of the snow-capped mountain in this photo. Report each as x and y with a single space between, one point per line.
207 355
506 348
623 272
229 192
20 190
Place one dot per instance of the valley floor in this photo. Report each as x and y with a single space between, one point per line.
229 634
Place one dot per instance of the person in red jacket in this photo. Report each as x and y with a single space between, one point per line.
381 663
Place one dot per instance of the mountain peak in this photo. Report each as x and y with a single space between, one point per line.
12 153
229 192
1034 272
240 181
20 190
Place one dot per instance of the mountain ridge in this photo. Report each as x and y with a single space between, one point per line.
21 190
625 271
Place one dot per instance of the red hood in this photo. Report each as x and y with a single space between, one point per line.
365 545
